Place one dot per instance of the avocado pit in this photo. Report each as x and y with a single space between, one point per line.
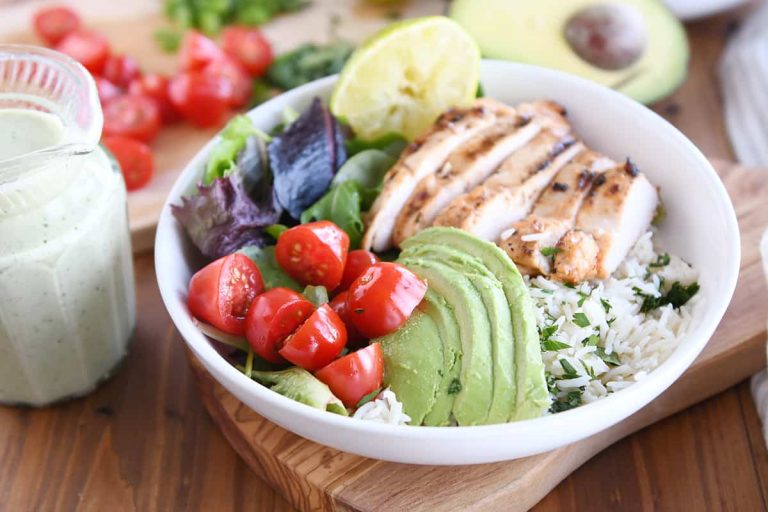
608 36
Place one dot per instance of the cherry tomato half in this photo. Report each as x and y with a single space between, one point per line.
52 24
383 297
358 261
355 375
132 116
120 70
135 159
197 51
106 89
221 292
317 342
89 48
204 99
155 86
340 306
249 47
314 253
229 69
273 316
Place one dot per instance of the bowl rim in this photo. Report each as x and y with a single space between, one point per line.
618 405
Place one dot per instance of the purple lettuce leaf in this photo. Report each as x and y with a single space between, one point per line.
222 218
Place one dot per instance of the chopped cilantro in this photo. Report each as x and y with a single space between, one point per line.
581 319
570 401
583 297
570 371
661 261
550 251
611 359
367 398
553 345
591 341
454 387
606 305
677 295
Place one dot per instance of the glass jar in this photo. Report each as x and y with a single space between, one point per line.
67 305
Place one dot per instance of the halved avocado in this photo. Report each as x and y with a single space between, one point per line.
532 394
496 306
473 399
636 46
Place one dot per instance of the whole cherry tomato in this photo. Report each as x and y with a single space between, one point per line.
229 69
383 297
89 48
132 116
355 375
221 292
273 316
314 253
135 159
358 262
340 306
317 342
155 86
197 51
53 24
120 70
106 89
204 99
249 47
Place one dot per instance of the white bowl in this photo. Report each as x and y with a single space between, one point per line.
700 226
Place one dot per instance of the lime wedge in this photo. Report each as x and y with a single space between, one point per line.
402 78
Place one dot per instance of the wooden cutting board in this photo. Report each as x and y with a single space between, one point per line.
314 477
130 27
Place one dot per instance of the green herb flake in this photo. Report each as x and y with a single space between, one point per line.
606 305
454 387
367 398
550 251
591 341
581 319
662 260
677 295
570 371
549 345
570 401
583 297
611 359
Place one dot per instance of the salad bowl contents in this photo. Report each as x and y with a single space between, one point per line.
506 282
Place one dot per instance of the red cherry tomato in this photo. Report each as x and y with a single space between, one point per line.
249 47
203 99
197 51
220 293
273 316
339 305
106 89
358 261
355 375
120 70
52 24
135 159
90 49
317 342
132 116
231 70
314 253
383 297
155 86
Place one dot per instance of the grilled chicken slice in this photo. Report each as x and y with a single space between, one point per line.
575 258
423 157
617 211
508 195
554 213
473 162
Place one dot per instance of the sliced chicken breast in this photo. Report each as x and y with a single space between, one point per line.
617 211
575 258
553 214
472 163
508 195
423 157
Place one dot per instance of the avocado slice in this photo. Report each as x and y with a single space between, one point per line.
441 312
413 364
300 385
532 395
473 400
636 46
496 306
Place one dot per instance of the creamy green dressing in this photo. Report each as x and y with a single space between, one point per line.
66 279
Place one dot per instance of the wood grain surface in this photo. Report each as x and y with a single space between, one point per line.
143 441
